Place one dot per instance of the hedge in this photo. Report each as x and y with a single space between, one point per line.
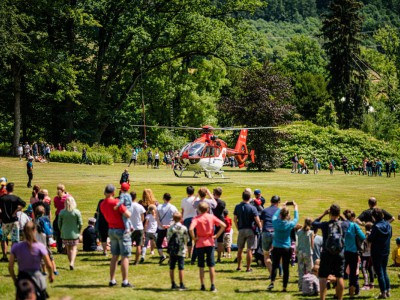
76 157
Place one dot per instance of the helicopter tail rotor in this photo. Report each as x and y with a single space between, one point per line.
252 156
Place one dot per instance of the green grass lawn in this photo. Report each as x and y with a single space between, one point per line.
86 183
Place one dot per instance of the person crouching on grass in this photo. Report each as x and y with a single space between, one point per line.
177 237
205 240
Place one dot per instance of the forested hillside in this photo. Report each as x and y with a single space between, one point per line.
89 70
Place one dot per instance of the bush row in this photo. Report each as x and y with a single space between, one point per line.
327 143
76 157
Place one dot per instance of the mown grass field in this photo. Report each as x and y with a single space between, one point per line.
314 193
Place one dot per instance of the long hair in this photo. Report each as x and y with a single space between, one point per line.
70 203
29 233
284 213
307 224
148 198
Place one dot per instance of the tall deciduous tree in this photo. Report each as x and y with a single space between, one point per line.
262 100
341 29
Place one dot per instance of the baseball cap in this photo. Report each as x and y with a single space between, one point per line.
257 192
109 189
125 186
398 241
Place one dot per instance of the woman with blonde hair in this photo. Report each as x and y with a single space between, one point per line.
29 255
70 225
148 199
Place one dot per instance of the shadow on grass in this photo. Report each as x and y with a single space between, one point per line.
226 271
249 278
197 183
238 291
161 290
81 286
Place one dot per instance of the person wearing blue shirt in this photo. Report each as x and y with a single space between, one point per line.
281 243
29 171
350 250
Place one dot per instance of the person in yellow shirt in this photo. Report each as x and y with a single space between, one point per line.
396 254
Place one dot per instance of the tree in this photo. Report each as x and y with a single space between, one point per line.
341 29
261 99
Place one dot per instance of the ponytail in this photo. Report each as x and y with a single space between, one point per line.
29 233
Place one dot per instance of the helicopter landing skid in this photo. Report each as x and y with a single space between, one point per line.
181 169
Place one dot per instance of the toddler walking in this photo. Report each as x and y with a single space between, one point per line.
150 229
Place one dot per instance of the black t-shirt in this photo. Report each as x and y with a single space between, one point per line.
219 210
245 214
324 226
89 239
44 204
101 222
366 216
8 206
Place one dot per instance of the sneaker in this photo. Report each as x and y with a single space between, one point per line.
152 252
182 287
141 260
127 285
381 296
249 270
213 289
388 294
270 287
371 286
203 288
71 268
56 273
174 286
111 284
162 259
4 258
365 288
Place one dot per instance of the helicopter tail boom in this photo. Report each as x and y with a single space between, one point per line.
241 148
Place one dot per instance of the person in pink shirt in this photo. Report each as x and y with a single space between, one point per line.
205 241
59 204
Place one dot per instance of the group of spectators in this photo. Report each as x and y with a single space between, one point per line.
39 151
369 167
201 225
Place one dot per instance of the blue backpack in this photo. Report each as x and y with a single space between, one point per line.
44 225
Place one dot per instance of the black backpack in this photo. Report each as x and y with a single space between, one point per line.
173 245
335 242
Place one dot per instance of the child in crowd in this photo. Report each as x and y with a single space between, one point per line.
310 283
305 245
366 262
228 233
331 168
125 199
89 236
396 254
44 232
177 237
150 229
47 198
205 240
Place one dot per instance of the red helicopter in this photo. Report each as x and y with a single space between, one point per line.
207 153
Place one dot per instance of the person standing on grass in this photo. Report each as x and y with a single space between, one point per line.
188 212
137 219
268 230
218 211
332 255
133 157
10 204
70 225
165 212
59 204
101 227
121 244
177 237
29 171
379 237
205 241
366 215
282 242
245 215
304 250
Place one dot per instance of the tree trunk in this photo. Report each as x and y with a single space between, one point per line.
16 73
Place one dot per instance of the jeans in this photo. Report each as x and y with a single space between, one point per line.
380 266
277 255
351 260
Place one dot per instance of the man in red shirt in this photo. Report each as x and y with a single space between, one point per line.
121 243
205 240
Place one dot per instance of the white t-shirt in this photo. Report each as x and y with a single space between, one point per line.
157 156
151 224
187 205
20 150
165 213
136 215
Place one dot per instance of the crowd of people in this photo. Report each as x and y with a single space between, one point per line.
367 167
196 230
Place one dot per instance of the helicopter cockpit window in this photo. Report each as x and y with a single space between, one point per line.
196 149
217 152
184 149
211 152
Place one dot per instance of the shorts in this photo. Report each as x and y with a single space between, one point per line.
103 234
137 237
266 240
149 160
220 239
187 223
246 235
161 234
205 251
12 228
70 242
121 244
227 240
331 265
173 259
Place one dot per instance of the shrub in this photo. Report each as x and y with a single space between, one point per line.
76 157
327 143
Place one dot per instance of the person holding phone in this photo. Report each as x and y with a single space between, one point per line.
281 243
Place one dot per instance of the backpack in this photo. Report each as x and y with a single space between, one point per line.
334 243
44 225
173 245
361 244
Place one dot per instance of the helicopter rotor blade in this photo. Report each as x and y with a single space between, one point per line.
200 128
